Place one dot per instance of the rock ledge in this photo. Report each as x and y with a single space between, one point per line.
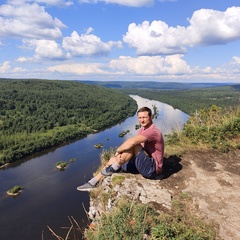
133 187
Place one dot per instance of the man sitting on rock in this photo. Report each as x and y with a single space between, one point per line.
140 154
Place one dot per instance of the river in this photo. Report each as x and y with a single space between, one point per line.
49 196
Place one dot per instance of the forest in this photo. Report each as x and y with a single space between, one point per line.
39 114
190 100
156 85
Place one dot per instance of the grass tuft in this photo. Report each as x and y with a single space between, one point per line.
135 221
214 128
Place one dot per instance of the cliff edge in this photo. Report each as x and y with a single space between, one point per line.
210 178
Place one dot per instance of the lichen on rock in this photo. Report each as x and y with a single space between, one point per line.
133 187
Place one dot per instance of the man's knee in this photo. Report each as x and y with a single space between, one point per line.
125 156
137 148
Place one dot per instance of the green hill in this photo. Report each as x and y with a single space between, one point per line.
155 85
190 100
39 114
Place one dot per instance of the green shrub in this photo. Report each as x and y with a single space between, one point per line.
117 180
61 165
128 221
133 220
213 127
15 189
106 154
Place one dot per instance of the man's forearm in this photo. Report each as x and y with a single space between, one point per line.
128 144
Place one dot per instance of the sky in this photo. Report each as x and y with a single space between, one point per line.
121 40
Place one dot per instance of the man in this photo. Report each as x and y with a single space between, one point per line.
140 154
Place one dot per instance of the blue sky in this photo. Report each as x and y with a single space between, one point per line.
127 40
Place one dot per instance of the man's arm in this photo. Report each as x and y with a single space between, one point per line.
130 143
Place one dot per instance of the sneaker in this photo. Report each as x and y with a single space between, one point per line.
86 187
108 171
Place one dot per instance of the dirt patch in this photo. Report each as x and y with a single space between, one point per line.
212 179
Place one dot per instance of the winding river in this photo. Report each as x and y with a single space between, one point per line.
49 196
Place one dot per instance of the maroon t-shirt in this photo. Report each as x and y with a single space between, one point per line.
154 144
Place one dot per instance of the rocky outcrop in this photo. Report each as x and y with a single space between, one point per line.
133 187
210 178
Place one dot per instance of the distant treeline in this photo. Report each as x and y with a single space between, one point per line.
153 85
189 101
39 114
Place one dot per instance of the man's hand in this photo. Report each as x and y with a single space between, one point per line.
118 154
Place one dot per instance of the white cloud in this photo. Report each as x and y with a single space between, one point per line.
155 65
168 68
28 21
173 68
155 38
44 49
24 59
210 27
60 3
129 3
18 70
5 67
79 69
236 60
73 46
207 27
144 65
234 65
87 44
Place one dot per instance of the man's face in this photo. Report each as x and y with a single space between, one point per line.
144 119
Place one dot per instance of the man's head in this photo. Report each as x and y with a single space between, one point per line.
145 109
145 116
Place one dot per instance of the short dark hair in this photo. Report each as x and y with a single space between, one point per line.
145 109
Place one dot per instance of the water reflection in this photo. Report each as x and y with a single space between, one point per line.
168 119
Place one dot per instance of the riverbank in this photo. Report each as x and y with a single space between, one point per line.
4 165
53 113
